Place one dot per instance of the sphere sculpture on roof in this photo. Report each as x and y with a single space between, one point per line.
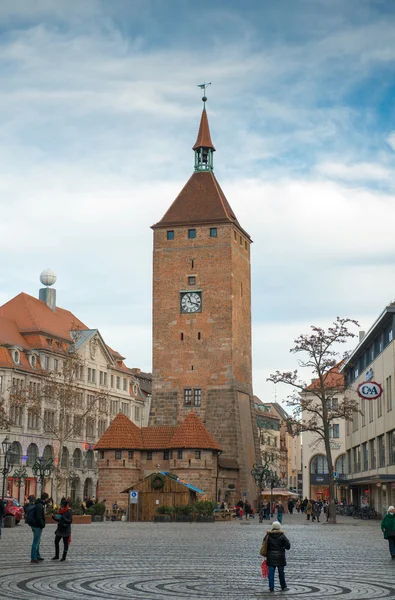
48 277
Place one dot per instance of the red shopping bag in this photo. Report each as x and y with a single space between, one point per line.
265 569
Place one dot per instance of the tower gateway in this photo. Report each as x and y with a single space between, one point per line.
202 321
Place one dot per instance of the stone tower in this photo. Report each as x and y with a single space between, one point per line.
202 316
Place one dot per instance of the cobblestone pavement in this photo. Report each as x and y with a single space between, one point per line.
181 561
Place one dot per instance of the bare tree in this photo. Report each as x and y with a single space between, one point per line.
313 406
60 404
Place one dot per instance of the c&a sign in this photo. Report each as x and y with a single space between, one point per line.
370 390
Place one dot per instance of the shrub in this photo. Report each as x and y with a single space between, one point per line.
164 510
99 508
204 507
90 511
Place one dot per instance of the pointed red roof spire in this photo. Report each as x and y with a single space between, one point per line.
193 434
203 139
122 434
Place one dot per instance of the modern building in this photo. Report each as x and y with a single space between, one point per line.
36 337
370 436
314 461
202 317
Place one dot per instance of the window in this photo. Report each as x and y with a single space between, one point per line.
372 452
380 406
182 337
125 408
118 454
112 381
197 397
191 280
93 375
102 427
105 378
381 450
319 465
32 454
332 404
78 426
388 392
137 413
33 421
1 383
370 404
101 454
49 420
245 245
213 232
149 455
340 465
198 454
357 459
191 233
101 379
365 462
89 374
235 235
391 447
179 454
170 234
90 428
33 361
363 412
55 365
114 407
130 454
334 431
349 461
188 397
16 415
125 384
199 335
64 461
16 357
166 455
46 363
118 383
355 421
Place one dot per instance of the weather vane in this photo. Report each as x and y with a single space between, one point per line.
203 87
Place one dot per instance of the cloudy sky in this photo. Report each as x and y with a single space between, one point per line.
98 112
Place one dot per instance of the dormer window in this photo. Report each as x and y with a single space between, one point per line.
16 357
33 361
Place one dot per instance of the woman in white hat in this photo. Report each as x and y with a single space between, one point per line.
277 544
388 528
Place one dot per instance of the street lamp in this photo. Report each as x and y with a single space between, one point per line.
8 462
265 477
20 475
42 469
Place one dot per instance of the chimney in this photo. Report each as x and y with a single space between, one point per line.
361 336
47 294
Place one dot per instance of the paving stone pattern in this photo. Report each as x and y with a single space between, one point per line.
181 561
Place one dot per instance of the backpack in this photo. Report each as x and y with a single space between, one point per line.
30 510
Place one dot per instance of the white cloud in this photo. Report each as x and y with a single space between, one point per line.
391 140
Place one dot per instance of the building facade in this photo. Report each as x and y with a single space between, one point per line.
36 337
202 316
370 436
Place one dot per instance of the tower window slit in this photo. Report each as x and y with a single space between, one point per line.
191 367
182 337
199 335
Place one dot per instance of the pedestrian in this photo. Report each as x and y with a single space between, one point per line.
388 528
64 519
309 510
267 511
37 524
248 509
316 511
277 543
291 505
280 512
2 515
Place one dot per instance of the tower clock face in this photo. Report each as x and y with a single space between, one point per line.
191 302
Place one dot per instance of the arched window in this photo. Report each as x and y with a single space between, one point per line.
90 459
32 453
48 453
88 488
341 465
16 451
77 458
319 465
65 457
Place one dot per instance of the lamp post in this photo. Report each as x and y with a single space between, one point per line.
8 462
20 475
265 477
42 469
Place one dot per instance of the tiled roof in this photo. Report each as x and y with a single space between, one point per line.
203 139
9 333
31 314
201 201
193 434
157 438
333 380
121 434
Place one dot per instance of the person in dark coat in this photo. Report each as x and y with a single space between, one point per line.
37 524
277 544
64 519
291 505
267 511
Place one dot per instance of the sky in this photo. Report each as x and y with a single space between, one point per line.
99 108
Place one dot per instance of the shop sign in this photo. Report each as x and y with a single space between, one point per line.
378 484
369 390
319 479
369 375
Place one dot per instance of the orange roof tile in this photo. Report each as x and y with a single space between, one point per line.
193 434
9 333
31 314
121 434
157 438
201 201
333 380
204 138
